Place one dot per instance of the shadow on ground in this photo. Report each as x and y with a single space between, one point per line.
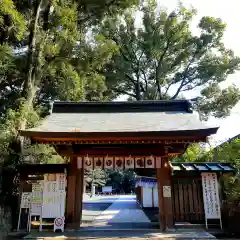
121 235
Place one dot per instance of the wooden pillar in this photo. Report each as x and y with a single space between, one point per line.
78 198
164 200
70 198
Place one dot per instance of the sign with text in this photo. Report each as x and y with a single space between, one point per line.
26 199
211 196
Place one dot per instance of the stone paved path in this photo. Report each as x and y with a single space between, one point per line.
123 235
125 209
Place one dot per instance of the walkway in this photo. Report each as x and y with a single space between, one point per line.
125 209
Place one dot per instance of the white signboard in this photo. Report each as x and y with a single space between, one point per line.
26 199
53 201
167 191
211 196
36 203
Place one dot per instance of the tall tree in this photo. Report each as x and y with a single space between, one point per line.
45 52
95 178
162 58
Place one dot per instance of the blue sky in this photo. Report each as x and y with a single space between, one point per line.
228 11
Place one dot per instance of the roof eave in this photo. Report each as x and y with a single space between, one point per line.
203 133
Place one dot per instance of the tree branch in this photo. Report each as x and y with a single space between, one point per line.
183 83
124 92
159 65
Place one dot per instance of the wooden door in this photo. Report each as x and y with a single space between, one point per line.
188 201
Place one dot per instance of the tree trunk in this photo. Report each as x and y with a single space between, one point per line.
29 83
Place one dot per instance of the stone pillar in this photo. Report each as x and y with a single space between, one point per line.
164 198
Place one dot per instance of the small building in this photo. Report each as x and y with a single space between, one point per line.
189 203
147 192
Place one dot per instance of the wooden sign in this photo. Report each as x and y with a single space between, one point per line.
167 191
139 162
150 162
108 162
119 163
88 163
98 162
129 163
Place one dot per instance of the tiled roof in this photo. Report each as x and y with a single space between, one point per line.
203 167
142 116
190 167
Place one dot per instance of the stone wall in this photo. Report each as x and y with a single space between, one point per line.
5 222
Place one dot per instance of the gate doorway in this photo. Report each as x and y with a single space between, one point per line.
109 201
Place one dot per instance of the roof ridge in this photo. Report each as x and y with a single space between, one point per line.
123 106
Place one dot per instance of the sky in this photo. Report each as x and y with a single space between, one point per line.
228 11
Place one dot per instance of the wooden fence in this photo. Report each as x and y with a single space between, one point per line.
188 201
231 217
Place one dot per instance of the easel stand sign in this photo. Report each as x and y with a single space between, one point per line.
25 204
211 197
59 224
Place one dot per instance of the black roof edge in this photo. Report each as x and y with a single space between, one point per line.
174 133
123 106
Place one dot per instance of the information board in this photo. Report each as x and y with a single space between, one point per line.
211 197
26 199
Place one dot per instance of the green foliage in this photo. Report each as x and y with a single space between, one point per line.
96 177
195 153
12 24
45 55
162 59
230 152
42 153
50 57
122 180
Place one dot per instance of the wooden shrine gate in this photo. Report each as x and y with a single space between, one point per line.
188 203
110 129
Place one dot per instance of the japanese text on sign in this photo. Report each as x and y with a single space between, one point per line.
211 196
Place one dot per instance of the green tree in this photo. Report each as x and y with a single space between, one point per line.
230 152
195 153
121 180
44 55
95 178
162 58
46 52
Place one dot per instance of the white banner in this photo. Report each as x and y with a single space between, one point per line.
211 196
